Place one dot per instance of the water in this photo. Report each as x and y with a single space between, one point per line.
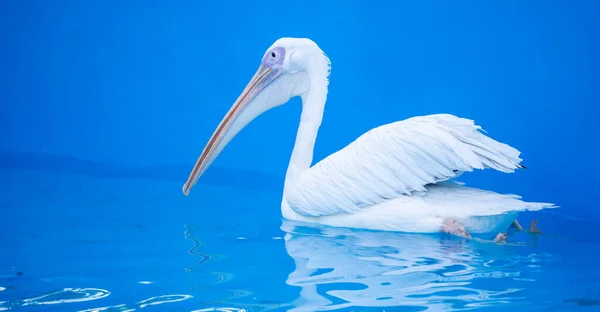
124 240
105 106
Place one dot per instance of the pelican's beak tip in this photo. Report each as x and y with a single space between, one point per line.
185 190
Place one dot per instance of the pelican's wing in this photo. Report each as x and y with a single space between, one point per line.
397 159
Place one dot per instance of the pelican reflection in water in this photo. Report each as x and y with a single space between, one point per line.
341 268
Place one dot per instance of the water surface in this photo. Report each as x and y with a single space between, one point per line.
79 241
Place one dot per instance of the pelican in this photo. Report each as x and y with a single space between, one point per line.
396 177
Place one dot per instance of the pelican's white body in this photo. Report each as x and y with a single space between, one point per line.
394 178
481 212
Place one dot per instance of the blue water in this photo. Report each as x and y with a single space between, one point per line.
88 239
105 106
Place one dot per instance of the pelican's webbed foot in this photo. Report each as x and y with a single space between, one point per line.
533 229
500 238
453 227
516 225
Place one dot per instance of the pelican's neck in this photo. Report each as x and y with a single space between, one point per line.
310 121
313 106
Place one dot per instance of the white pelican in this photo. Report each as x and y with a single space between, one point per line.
395 177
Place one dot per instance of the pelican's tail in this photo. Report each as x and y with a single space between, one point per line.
480 211
464 201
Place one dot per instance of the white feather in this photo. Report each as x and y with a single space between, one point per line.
397 159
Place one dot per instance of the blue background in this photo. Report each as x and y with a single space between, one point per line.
144 83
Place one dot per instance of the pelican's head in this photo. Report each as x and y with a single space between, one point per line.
289 68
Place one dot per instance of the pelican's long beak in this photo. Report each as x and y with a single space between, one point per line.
224 132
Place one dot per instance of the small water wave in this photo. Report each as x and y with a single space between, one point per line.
195 250
67 295
141 304
158 301
163 299
118 307
79 295
220 310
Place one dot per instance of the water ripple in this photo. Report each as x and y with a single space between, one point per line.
67 295
163 299
142 304
220 310
194 250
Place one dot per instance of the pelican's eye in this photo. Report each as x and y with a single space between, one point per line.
274 57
